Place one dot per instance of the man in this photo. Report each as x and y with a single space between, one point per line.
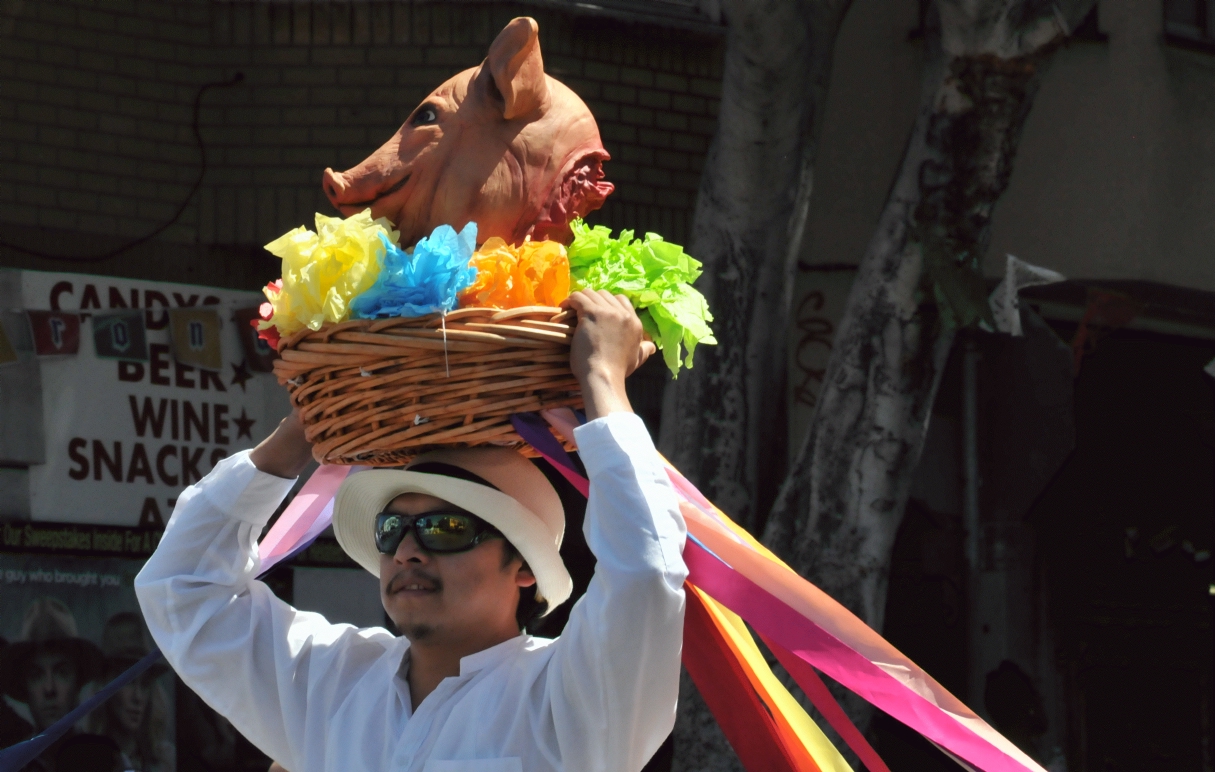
457 541
45 670
135 717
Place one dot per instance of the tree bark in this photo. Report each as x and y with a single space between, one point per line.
724 422
919 281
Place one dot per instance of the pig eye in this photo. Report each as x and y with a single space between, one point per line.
425 116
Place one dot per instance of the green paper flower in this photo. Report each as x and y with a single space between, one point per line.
656 276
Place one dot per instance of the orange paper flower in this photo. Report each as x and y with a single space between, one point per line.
536 273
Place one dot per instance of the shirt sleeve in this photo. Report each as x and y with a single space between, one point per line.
615 681
273 671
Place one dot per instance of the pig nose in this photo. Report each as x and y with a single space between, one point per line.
336 188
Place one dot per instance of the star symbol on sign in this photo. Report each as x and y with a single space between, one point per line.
244 425
241 374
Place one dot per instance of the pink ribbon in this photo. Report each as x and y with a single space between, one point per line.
580 483
776 621
309 513
815 630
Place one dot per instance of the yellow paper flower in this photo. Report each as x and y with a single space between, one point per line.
324 271
536 273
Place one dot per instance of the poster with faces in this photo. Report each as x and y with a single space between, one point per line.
70 625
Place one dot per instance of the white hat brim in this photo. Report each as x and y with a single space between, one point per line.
364 495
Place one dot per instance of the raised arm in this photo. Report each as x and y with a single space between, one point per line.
609 344
615 679
268 668
286 452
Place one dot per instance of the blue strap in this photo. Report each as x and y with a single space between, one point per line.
17 756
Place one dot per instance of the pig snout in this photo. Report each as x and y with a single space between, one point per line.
346 193
351 192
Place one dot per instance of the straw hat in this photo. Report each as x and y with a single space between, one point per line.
496 484
48 626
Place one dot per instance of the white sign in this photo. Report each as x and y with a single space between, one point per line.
124 438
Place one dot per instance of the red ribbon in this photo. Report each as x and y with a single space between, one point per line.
775 621
743 717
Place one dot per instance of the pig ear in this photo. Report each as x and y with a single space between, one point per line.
517 69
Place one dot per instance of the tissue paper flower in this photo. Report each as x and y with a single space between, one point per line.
324 271
423 282
655 275
265 328
536 273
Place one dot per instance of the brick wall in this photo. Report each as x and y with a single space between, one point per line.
96 105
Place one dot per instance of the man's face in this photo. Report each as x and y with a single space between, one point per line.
51 685
130 704
449 597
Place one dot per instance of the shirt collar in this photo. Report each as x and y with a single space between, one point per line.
403 667
492 656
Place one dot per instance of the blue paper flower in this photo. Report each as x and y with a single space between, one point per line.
425 281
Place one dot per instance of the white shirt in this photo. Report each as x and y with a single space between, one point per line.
317 696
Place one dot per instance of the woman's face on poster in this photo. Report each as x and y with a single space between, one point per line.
51 685
131 703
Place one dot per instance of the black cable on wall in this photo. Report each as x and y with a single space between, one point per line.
202 170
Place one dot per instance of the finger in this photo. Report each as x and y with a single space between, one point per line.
644 351
579 301
624 302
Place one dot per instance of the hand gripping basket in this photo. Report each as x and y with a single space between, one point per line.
381 391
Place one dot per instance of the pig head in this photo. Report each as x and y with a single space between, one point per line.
502 144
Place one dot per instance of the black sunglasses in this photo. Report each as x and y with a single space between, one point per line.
443 531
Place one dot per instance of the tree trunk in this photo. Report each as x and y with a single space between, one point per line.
724 422
919 281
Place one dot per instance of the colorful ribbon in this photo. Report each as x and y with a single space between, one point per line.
799 736
721 656
305 518
534 429
816 691
802 623
718 673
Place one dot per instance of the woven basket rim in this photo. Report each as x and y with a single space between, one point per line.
436 321
381 391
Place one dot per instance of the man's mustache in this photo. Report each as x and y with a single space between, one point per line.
414 576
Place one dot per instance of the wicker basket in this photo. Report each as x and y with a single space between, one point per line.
380 391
